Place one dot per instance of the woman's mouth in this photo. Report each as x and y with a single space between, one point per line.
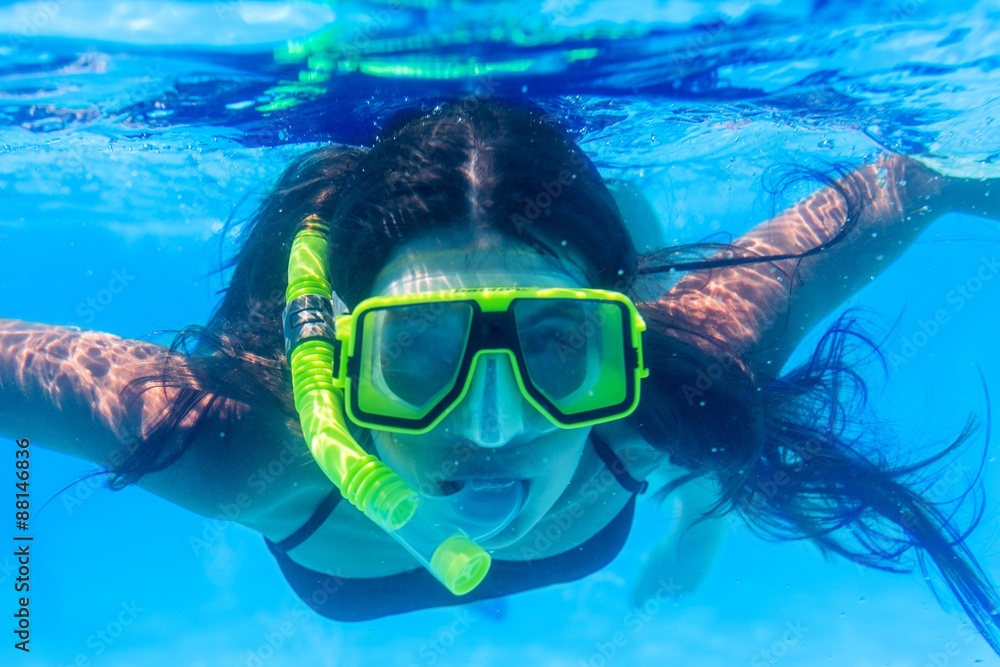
481 507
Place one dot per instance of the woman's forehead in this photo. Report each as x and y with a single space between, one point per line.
432 263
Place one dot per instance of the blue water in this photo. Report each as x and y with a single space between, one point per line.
131 132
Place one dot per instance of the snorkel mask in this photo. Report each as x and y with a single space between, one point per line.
575 353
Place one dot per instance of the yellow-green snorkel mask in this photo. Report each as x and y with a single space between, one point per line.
588 376
406 360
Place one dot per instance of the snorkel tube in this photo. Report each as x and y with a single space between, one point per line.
363 479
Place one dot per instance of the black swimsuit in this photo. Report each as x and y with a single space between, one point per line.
361 599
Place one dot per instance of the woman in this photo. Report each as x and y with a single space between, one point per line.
482 194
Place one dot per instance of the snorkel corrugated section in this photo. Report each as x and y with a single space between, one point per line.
363 479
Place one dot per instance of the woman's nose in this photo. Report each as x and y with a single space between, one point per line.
493 411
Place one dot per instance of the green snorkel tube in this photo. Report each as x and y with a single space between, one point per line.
363 479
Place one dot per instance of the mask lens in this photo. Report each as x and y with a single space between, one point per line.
573 351
554 351
411 356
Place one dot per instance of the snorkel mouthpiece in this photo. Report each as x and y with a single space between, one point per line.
364 480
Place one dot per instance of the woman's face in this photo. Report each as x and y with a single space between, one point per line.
493 434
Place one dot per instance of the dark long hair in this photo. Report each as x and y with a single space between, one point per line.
787 455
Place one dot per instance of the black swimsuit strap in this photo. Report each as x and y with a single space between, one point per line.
617 466
321 514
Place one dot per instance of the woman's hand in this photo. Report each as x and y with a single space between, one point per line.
679 563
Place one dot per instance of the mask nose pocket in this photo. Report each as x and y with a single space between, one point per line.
492 413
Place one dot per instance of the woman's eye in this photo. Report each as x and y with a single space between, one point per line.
563 328
541 339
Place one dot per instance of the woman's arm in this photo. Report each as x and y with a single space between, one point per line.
64 387
759 312
66 390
